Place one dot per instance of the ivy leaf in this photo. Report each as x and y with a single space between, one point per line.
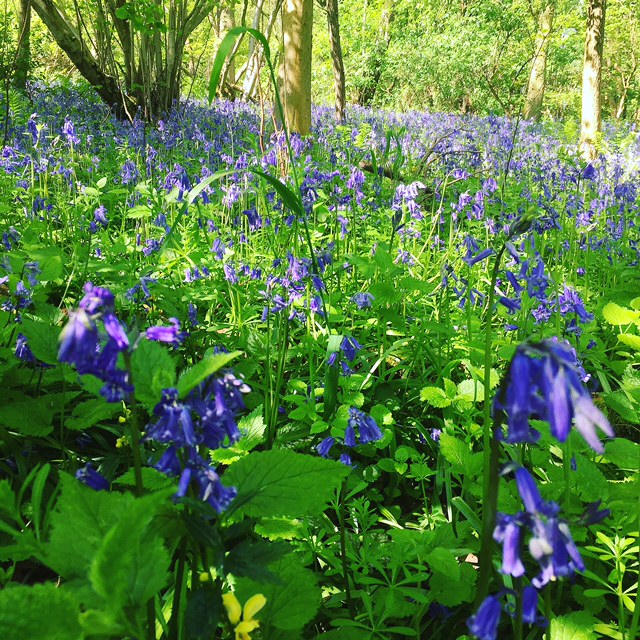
39 612
206 367
283 483
153 370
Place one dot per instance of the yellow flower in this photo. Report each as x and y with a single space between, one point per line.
248 623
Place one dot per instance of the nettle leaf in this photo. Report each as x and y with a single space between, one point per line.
457 453
283 483
153 370
443 561
39 612
30 417
91 412
131 564
574 626
291 603
615 314
450 591
42 338
623 453
206 367
435 397
204 608
590 483
630 340
80 521
280 528
152 479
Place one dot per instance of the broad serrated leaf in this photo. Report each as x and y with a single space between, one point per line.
89 413
131 564
435 397
42 339
574 626
450 592
630 340
623 453
457 453
30 417
206 367
283 483
443 561
280 528
472 390
590 483
80 521
39 612
615 314
152 479
249 559
204 608
153 370
292 602
7 500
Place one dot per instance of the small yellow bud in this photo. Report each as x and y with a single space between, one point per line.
122 419
204 577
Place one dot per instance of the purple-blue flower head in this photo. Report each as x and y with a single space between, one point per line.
543 382
171 335
367 428
363 299
484 625
92 478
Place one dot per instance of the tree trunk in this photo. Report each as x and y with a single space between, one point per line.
23 54
336 58
70 42
537 79
297 23
591 77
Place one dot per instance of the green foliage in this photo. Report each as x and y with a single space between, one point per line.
283 483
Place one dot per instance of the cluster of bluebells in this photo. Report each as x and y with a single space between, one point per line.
93 339
345 355
207 416
361 429
543 382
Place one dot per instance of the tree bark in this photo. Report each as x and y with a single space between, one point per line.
297 23
591 78
333 23
537 79
23 54
69 41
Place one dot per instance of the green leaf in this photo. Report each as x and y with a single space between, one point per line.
50 260
283 483
434 396
617 315
574 626
89 413
39 612
42 338
80 521
623 453
7 500
292 602
472 390
450 592
630 340
457 453
443 561
203 612
153 370
280 528
152 479
30 417
131 564
590 483
206 367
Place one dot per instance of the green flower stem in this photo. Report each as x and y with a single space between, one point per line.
342 509
491 452
135 432
174 626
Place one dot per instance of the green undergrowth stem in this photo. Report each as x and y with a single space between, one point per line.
342 510
491 451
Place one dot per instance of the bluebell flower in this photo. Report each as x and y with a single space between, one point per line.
530 607
174 423
324 448
23 351
363 299
507 533
171 335
543 382
350 347
484 624
92 478
366 426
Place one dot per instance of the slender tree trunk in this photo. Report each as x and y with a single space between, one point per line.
336 58
228 81
23 54
591 78
297 23
538 77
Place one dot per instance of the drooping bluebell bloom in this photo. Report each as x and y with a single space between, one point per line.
508 532
171 335
530 607
362 299
484 624
92 478
367 428
543 382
